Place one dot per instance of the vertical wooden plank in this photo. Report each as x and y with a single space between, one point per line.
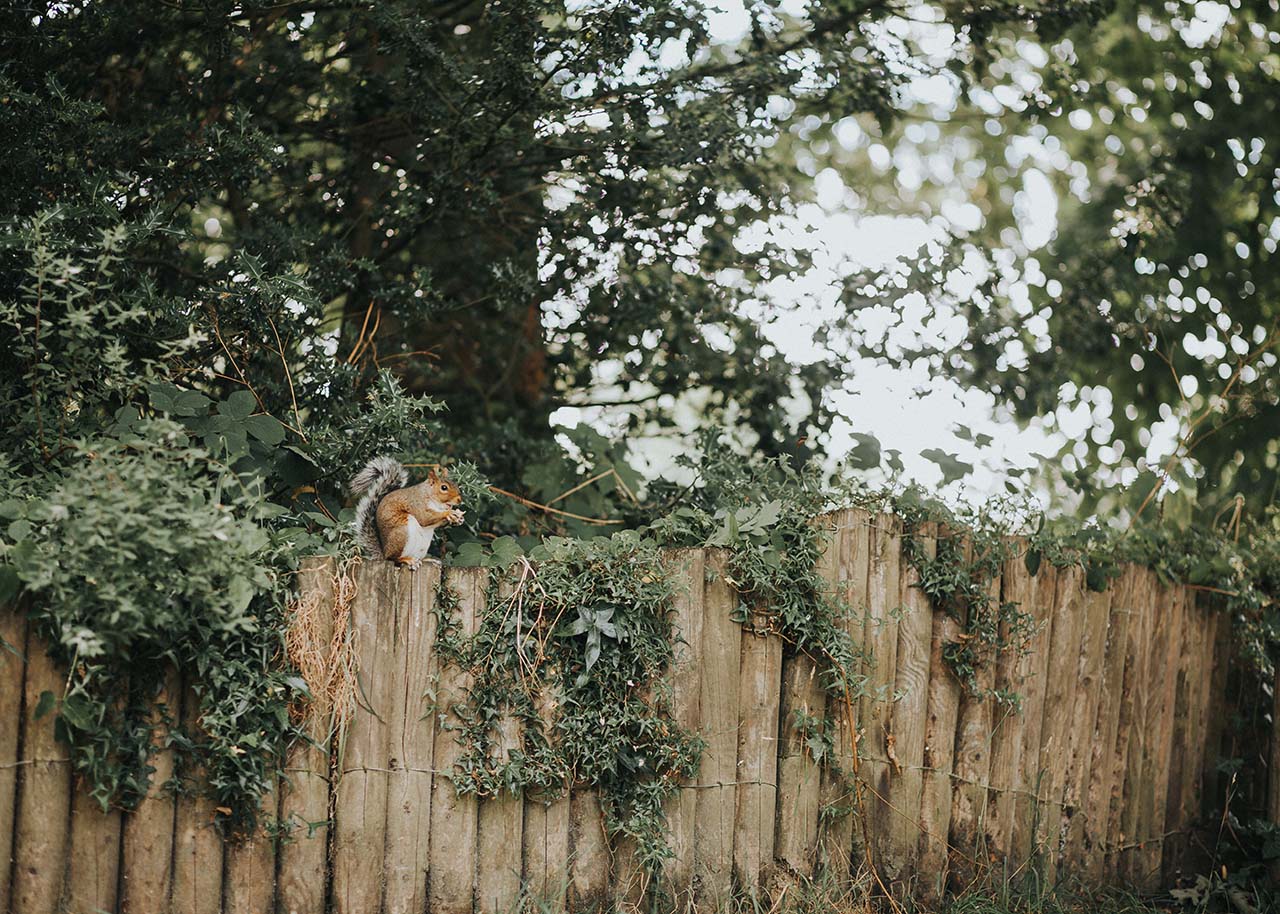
908 719
1216 715
546 851
409 803
304 791
500 829
454 816
688 572
721 656
589 888
1083 732
1163 685
1013 668
250 884
360 804
845 561
1131 735
1104 763
13 645
803 700
147 842
1061 695
93 866
44 792
970 799
942 715
760 690
197 845
1028 787
877 749
1180 799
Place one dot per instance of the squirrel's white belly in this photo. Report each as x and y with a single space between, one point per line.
419 540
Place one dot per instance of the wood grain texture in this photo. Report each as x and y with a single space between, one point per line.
304 790
1104 761
688 571
41 833
1029 785
799 774
1163 684
970 798
412 753
197 844
840 824
942 712
1083 735
147 842
760 687
908 721
1061 694
1013 667
500 824
360 802
589 888
1131 732
884 598
546 851
717 776
454 817
13 646
249 886
93 860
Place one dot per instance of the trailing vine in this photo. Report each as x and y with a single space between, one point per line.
573 649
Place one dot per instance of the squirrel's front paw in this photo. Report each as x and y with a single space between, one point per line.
456 516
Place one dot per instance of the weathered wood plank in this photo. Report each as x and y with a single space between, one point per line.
1028 786
13 646
197 845
500 833
970 799
93 864
1163 683
799 775
1104 761
1212 791
1084 726
884 598
409 794
589 888
1181 802
942 714
1061 696
147 842
688 572
1013 667
760 687
360 803
250 883
454 817
304 791
1131 735
41 834
717 777
546 851
908 720
846 563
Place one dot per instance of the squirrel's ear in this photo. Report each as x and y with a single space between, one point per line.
431 475
444 472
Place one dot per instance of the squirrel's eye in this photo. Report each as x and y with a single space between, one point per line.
444 487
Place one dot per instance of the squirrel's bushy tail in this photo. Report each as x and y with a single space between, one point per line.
380 477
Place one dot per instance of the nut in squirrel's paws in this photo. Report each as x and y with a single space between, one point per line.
456 516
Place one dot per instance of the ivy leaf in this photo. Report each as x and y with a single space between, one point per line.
45 704
469 554
1032 561
505 550
266 429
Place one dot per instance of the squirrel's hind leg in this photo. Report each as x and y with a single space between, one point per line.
394 539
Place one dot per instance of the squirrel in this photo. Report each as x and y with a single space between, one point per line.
397 521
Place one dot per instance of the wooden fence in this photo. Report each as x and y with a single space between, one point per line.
1099 773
